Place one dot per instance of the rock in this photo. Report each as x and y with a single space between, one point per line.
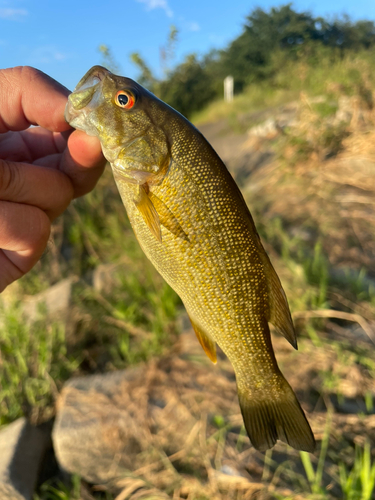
91 431
22 448
105 277
344 111
9 493
109 424
55 299
268 129
272 126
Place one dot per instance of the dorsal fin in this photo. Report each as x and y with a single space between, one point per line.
209 346
279 309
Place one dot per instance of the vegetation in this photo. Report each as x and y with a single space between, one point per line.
34 363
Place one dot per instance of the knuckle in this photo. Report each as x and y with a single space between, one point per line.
43 225
29 73
64 195
39 230
10 179
67 188
12 77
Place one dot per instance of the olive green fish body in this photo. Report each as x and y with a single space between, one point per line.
193 224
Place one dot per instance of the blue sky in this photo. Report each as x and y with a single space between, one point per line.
61 37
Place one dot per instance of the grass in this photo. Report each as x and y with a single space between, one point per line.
33 365
359 482
315 477
60 491
307 267
353 74
356 481
135 319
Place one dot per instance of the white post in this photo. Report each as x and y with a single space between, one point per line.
228 89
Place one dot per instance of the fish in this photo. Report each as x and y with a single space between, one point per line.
193 224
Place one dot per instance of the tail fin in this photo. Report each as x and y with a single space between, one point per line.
267 420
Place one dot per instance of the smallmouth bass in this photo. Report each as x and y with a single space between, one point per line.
194 225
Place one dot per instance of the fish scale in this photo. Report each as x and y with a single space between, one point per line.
193 224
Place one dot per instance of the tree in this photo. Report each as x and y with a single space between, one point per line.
268 37
108 59
189 86
146 77
249 57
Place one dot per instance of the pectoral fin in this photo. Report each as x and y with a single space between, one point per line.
149 213
155 213
167 219
208 345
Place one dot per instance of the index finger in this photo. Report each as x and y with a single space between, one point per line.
30 97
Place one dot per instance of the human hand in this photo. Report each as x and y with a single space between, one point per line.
41 168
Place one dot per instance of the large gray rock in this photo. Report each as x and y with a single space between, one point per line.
108 425
105 277
93 429
55 300
7 492
22 448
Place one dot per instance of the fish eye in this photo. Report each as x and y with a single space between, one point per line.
124 99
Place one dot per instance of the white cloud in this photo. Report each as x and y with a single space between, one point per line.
157 4
46 54
13 14
193 26
217 39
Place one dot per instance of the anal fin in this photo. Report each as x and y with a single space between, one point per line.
209 346
149 213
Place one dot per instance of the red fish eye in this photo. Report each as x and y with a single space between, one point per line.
124 99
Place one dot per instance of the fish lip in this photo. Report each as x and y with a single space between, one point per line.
96 72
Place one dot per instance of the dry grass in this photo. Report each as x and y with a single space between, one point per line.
186 439
323 181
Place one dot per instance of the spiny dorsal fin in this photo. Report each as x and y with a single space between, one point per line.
148 212
279 309
167 219
209 346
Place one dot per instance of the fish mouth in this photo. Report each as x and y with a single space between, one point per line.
84 98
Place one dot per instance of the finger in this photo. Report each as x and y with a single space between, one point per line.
29 96
45 188
24 233
32 144
83 162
